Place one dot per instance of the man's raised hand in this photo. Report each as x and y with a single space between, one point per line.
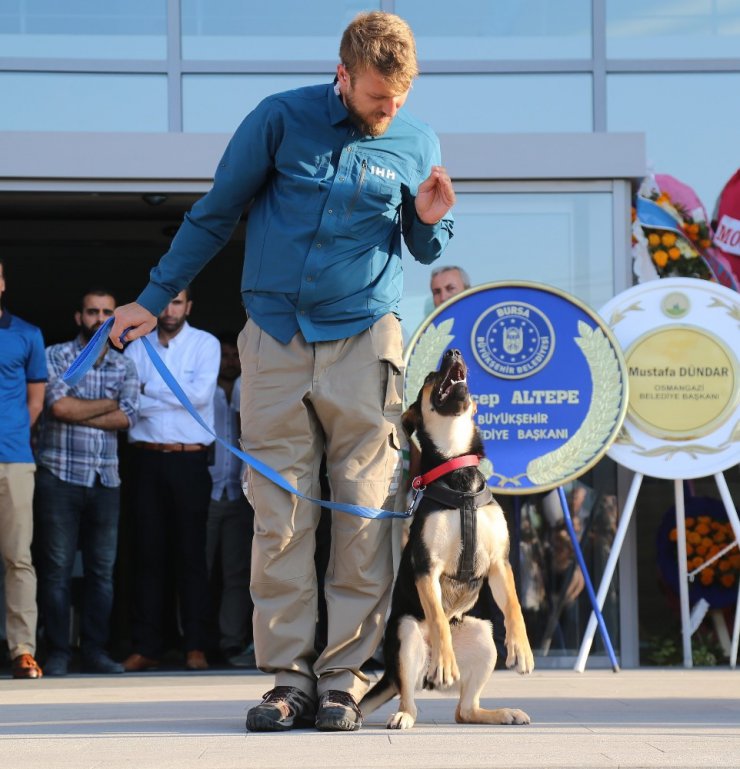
435 196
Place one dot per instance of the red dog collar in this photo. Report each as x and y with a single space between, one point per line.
468 460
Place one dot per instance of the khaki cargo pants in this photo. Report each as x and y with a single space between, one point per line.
16 533
297 401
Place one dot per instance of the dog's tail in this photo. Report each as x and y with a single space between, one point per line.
381 693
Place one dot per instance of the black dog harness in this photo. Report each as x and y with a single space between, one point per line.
439 496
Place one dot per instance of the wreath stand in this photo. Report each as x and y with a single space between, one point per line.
611 564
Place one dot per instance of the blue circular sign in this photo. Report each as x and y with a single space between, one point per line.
545 371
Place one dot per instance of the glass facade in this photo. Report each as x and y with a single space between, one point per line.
672 29
506 29
513 103
83 102
289 29
83 29
213 103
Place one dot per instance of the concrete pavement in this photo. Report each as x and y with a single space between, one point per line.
636 718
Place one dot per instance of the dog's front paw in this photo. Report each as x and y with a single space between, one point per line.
520 654
443 670
400 720
514 716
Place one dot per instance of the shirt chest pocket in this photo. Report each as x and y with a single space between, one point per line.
304 169
375 190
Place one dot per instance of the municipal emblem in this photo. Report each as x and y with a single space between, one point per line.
675 305
513 340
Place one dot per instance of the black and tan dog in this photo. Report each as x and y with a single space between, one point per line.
458 538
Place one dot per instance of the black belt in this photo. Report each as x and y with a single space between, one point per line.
170 447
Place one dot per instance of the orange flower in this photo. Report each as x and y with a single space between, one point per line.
705 243
674 253
668 239
660 258
706 538
653 239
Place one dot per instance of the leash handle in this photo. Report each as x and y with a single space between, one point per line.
84 361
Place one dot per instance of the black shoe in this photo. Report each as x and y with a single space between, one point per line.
281 709
101 664
338 712
56 665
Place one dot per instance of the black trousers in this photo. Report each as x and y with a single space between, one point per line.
171 493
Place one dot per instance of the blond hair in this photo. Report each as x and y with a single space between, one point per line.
383 42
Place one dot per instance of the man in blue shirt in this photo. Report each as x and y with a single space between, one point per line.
22 378
77 499
337 176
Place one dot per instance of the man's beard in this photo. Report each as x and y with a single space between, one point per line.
171 325
378 128
88 333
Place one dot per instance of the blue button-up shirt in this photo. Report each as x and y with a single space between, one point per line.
329 209
76 453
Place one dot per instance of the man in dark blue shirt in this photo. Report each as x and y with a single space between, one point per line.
337 176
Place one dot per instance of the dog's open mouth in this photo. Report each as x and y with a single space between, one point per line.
455 375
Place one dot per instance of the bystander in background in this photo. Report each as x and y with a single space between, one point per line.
171 488
22 377
230 519
77 499
447 281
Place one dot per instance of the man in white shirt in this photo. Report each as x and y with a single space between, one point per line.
230 519
171 487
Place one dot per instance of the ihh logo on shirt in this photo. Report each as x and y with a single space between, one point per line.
384 173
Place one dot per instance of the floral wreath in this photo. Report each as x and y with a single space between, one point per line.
672 235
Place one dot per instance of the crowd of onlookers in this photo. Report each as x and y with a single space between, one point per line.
183 566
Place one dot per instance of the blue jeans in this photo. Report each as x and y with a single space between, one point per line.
68 517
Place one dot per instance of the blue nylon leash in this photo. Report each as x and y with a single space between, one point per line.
92 351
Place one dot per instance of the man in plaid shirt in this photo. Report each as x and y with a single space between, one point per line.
77 489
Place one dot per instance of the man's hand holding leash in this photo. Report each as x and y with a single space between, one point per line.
132 321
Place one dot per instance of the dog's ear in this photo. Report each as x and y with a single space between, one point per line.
411 418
